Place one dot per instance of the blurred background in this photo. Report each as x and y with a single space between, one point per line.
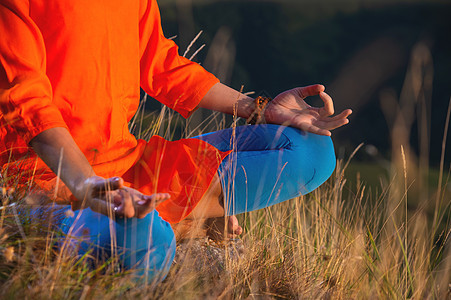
389 61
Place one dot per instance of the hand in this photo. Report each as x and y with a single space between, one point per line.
107 196
290 109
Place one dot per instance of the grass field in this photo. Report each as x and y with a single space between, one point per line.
344 240
372 231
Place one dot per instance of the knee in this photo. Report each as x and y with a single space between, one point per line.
147 246
313 158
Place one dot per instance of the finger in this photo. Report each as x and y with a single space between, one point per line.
346 112
148 203
101 206
331 124
310 90
328 109
109 184
314 129
343 115
126 208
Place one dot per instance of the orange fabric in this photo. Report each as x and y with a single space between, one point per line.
79 65
190 164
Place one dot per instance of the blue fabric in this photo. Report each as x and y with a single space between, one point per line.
146 245
270 164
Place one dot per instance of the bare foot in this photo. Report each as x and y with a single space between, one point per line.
213 228
223 227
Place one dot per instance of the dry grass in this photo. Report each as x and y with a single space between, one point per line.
321 246
317 246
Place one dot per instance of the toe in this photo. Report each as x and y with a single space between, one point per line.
233 226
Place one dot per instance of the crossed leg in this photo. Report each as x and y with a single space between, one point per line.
269 164
208 218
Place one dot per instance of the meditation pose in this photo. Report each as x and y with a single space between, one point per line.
70 76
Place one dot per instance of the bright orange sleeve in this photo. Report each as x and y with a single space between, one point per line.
25 90
166 76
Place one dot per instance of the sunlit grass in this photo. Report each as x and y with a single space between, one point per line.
386 238
317 246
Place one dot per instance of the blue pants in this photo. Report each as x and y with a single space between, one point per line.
269 164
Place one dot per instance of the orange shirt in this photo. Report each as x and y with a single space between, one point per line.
79 64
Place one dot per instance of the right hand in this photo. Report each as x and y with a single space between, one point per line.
110 196
290 109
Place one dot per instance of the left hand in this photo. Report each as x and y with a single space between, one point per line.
109 195
290 109
131 203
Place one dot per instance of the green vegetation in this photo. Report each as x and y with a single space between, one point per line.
379 228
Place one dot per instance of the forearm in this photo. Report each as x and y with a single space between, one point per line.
227 100
58 150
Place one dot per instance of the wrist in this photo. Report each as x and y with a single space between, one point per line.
245 107
258 115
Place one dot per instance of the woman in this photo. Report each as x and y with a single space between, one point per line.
69 83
